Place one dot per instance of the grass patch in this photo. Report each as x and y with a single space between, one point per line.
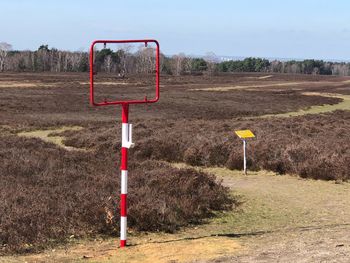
52 136
239 87
260 210
16 84
207 248
318 109
114 83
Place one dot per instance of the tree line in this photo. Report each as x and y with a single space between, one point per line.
126 61
307 66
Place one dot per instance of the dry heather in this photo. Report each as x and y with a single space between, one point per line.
50 194
67 103
311 146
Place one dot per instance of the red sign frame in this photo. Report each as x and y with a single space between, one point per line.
157 71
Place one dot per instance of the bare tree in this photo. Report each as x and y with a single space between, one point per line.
145 58
125 57
4 49
212 59
178 64
108 63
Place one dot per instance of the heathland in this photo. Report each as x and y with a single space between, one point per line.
59 156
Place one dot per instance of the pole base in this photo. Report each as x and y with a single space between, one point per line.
122 243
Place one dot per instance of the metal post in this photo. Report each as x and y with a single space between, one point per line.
126 127
124 174
244 157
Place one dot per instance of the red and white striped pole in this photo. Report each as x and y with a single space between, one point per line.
126 144
126 127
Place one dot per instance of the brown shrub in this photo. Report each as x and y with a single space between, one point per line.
173 197
192 156
235 160
167 149
314 146
49 194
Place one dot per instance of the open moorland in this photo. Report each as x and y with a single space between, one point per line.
60 182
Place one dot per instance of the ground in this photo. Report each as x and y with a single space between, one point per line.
282 217
307 220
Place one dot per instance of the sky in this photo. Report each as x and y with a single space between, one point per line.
299 29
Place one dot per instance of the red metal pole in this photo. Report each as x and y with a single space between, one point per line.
124 174
126 127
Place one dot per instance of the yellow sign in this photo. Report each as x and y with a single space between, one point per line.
243 134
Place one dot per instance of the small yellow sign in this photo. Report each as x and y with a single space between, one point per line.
243 134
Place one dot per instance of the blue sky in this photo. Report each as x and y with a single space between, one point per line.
270 28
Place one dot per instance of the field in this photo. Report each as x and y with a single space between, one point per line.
301 122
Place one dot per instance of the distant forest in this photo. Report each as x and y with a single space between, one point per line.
123 62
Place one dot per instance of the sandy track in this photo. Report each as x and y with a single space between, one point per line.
317 109
307 220
57 139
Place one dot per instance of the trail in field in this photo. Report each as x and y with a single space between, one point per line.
287 219
239 87
149 251
282 218
265 77
270 84
343 105
53 136
24 84
110 83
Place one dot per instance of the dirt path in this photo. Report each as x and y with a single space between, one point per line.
343 105
318 109
253 86
282 219
291 219
53 136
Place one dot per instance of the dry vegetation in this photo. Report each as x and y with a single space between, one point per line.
283 218
50 193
